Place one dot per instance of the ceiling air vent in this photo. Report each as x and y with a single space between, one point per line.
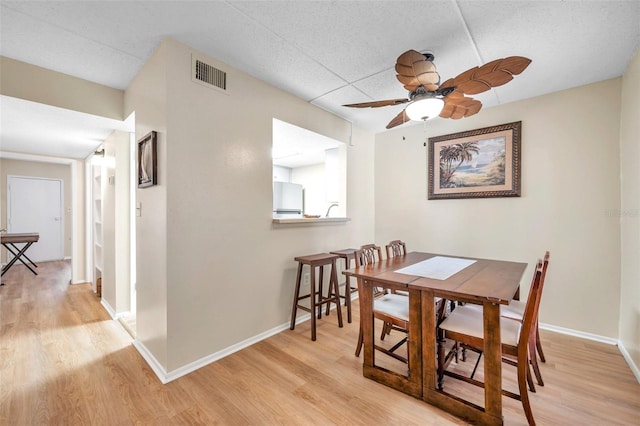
208 75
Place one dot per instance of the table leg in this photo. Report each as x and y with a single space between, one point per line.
366 321
492 413
17 255
492 360
24 254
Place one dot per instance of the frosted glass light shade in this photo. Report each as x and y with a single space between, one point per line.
424 109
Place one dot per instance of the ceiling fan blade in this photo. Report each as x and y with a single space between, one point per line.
493 74
398 120
409 57
412 83
414 70
376 104
457 106
516 64
446 84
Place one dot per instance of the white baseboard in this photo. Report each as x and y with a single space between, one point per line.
597 338
108 308
581 334
112 313
165 377
157 368
627 357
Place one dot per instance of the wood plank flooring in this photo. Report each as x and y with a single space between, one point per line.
63 361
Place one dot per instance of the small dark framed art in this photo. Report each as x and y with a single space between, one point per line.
148 160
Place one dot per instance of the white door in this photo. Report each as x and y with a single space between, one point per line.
35 205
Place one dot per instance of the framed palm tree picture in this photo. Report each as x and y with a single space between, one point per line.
477 163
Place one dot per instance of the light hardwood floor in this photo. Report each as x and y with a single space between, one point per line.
64 362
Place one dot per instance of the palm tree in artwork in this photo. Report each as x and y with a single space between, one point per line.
452 157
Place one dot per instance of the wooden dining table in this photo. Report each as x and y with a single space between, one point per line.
490 283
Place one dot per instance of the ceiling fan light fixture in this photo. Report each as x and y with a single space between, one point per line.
424 109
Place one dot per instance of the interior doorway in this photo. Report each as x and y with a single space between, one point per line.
36 205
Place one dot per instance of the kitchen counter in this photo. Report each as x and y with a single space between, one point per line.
304 220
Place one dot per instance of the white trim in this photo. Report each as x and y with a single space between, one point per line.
109 309
157 368
165 377
88 222
184 370
627 357
581 334
597 338
112 312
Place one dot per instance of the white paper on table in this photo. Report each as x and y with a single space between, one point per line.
438 267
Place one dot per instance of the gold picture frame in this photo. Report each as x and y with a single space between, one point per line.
479 163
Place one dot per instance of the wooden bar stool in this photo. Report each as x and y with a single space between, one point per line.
317 299
347 255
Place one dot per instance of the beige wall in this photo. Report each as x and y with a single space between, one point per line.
630 212
570 186
26 81
40 170
147 97
227 263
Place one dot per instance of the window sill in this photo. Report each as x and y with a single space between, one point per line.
302 220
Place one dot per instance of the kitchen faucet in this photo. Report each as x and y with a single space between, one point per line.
329 209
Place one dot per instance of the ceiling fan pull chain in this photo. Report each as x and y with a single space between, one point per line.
424 130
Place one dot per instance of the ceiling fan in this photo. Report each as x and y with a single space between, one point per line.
429 99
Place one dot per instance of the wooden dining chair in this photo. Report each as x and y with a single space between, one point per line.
369 253
465 325
390 308
395 248
399 248
515 311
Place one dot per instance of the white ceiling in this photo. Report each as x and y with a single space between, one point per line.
328 53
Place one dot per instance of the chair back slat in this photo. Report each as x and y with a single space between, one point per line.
367 254
545 264
396 248
531 307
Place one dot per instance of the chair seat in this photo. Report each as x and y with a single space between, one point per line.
468 320
395 305
514 310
